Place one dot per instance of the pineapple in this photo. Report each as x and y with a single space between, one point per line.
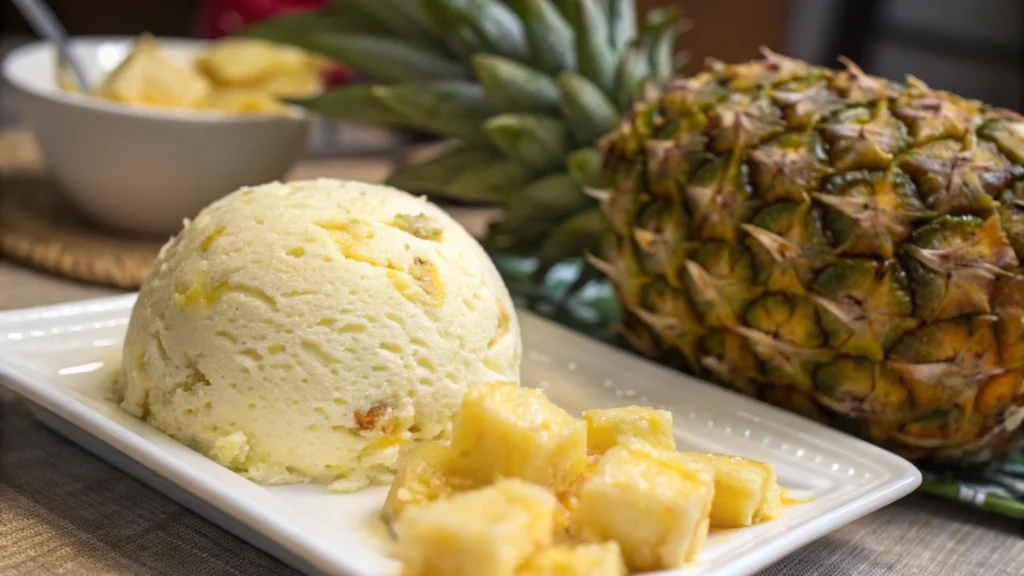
149 76
569 497
746 491
605 426
654 503
838 244
483 532
424 475
503 430
522 89
580 560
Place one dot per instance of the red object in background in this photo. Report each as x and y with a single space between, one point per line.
224 17
220 18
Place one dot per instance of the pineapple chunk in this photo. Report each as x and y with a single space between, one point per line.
253 62
771 506
485 532
240 100
569 498
649 500
581 560
149 76
425 475
746 491
505 431
605 426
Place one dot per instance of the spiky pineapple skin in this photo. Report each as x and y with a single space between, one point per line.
834 243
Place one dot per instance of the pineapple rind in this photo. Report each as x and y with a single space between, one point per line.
866 209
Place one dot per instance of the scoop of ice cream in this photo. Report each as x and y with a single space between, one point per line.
310 331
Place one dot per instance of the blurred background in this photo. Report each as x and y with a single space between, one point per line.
972 47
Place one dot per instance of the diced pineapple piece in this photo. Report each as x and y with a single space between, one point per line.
484 532
506 431
424 475
581 560
569 498
649 500
249 61
746 491
149 76
241 100
771 506
604 427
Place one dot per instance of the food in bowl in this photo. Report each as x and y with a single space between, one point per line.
313 331
234 75
143 168
520 490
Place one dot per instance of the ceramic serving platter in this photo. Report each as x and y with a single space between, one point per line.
61 359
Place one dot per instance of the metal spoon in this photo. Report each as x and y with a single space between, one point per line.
42 20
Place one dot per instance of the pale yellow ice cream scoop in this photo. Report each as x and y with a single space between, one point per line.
310 331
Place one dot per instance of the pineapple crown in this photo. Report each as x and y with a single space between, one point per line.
522 88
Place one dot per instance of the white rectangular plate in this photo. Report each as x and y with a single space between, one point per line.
61 359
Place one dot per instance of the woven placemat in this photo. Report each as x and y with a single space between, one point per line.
40 228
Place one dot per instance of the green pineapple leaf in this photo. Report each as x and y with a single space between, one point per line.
492 183
538 142
454 108
659 31
403 18
622 18
536 212
435 175
388 60
634 71
479 26
570 9
656 20
522 242
662 51
352 103
577 235
547 200
549 36
301 28
585 167
587 111
515 87
594 54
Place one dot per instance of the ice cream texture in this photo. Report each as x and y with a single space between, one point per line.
313 330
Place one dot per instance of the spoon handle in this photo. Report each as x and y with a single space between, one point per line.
43 21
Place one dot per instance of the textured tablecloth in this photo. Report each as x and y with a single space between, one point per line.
65 511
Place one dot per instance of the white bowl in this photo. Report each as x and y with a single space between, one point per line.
137 168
